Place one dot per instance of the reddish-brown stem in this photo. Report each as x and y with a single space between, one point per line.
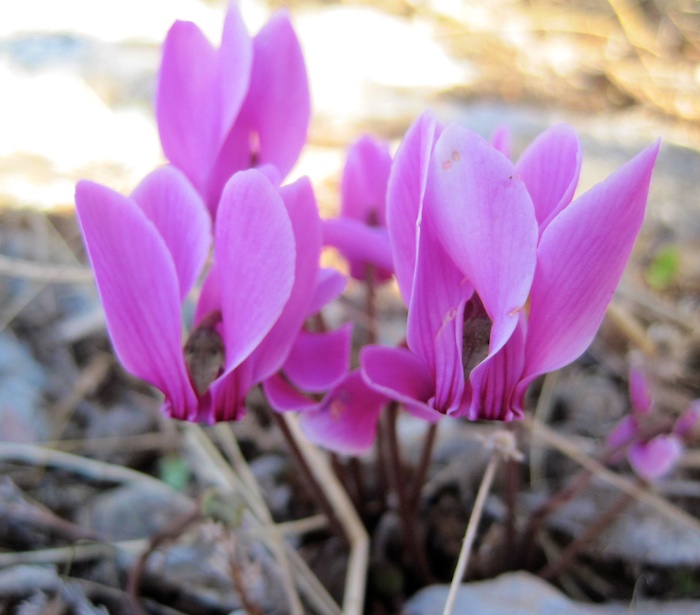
423 463
316 489
414 547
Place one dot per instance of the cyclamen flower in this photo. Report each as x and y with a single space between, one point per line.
505 276
651 457
359 233
148 250
240 106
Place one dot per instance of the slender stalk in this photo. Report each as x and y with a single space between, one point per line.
423 463
314 485
405 510
470 534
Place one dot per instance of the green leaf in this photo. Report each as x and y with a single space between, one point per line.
174 471
664 268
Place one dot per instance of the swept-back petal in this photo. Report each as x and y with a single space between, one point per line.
227 396
364 182
550 168
284 397
175 208
346 420
329 285
359 243
402 376
652 459
139 288
302 210
435 318
318 360
580 260
500 139
255 254
405 192
199 93
485 218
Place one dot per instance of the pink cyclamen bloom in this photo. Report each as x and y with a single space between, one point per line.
359 233
238 106
506 278
148 250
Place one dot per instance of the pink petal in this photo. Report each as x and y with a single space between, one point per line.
178 213
284 397
228 394
687 422
273 122
300 204
651 460
209 296
486 221
400 375
581 256
405 193
346 421
640 396
255 255
500 139
140 293
550 168
200 92
435 318
624 432
329 286
360 244
319 360
493 383
364 183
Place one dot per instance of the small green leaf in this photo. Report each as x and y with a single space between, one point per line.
664 267
174 472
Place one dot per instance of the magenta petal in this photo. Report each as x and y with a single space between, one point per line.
580 259
402 376
255 254
346 421
199 93
175 208
500 139
301 207
278 106
435 318
329 285
140 293
686 423
493 383
640 396
319 360
405 193
364 183
227 396
550 168
651 460
485 218
359 243
284 397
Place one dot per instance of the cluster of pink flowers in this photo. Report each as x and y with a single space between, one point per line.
505 275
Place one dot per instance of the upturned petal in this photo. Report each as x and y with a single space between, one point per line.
285 397
550 168
400 375
199 93
140 291
405 193
329 285
300 205
318 360
580 260
175 208
346 420
652 459
364 183
255 255
485 219
359 243
640 395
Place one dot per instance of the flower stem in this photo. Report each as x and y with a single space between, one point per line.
470 534
423 463
313 484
